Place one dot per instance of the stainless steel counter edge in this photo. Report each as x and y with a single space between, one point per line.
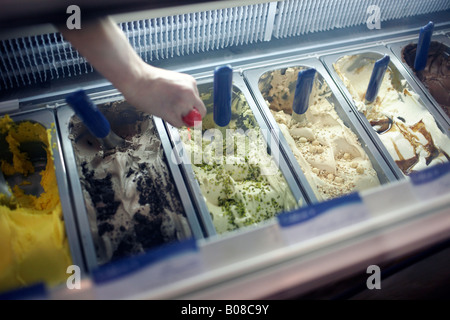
345 112
389 235
328 61
396 48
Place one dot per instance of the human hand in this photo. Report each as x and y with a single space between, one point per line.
164 93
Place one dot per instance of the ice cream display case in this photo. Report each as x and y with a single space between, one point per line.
280 210
434 79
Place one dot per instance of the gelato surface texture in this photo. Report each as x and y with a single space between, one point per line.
130 196
436 75
329 153
33 242
239 180
404 125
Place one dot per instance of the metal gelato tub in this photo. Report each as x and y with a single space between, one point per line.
127 117
234 194
403 84
31 184
262 79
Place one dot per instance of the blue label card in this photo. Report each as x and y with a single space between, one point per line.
431 182
309 222
36 291
156 268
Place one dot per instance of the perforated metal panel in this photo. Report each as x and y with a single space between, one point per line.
296 18
166 37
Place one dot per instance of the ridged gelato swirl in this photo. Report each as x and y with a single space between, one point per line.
405 126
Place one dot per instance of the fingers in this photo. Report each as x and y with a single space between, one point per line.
197 102
197 109
199 105
196 88
174 119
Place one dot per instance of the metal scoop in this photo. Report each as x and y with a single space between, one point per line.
94 119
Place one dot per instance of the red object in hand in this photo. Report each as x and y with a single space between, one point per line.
192 117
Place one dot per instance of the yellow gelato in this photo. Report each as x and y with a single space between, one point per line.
33 244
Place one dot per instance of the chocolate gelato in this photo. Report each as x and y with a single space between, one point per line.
436 75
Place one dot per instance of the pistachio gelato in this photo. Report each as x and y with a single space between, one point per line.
239 180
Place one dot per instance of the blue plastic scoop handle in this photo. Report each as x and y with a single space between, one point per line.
223 79
423 46
303 88
94 120
379 69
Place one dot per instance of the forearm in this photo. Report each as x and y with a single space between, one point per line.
164 93
107 49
